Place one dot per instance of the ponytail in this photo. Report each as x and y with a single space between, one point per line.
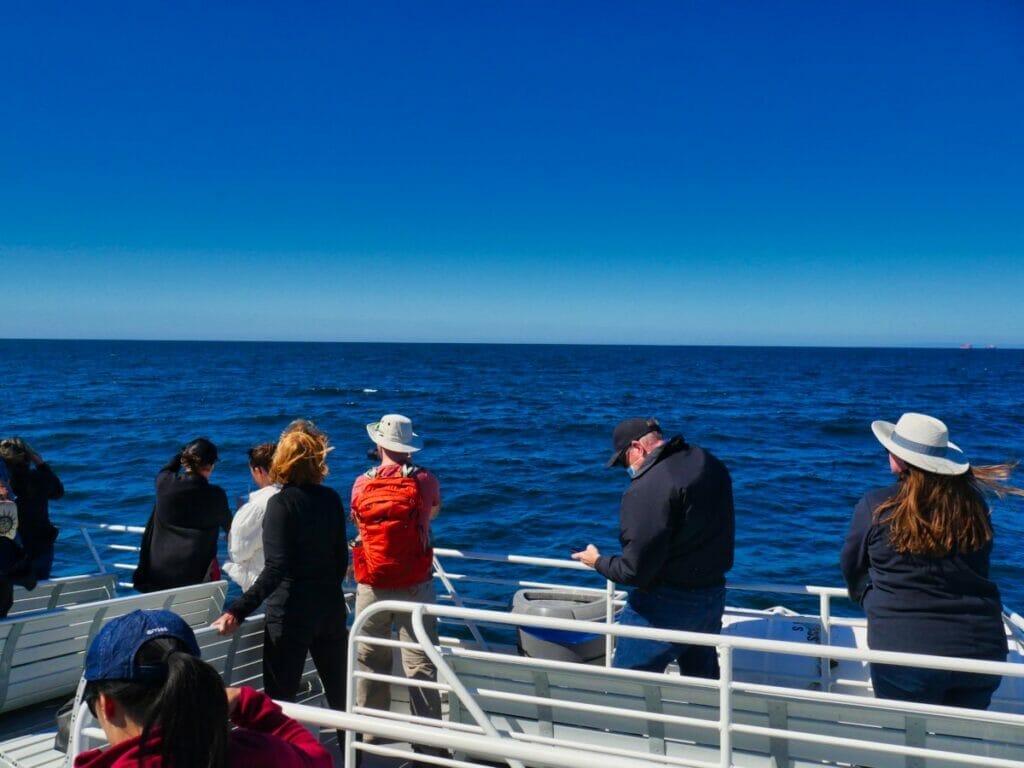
188 706
192 712
198 454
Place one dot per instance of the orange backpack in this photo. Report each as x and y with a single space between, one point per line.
393 550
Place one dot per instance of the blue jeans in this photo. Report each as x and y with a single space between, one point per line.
692 610
933 686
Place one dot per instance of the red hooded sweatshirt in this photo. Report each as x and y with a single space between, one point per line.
265 738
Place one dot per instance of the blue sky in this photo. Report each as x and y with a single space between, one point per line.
846 173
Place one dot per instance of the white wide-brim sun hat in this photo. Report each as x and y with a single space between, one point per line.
394 432
922 441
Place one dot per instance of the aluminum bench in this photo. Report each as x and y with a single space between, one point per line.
44 652
64 591
238 658
677 717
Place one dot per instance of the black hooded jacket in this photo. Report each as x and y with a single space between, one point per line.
34 489
180 541
676 522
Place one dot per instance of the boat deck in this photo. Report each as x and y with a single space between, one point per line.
795 689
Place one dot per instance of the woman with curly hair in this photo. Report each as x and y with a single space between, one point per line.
306 556
917 559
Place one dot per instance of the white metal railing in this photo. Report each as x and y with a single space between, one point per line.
463 589
108 555
613 598
487 749
727 685
96 550
458 587
455 586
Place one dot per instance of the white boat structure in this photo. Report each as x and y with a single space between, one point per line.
794 687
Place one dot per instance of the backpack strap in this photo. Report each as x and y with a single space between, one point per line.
408 470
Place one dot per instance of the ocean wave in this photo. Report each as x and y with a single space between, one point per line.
844 427
336 391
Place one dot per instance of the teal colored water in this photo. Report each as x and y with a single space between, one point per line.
518 434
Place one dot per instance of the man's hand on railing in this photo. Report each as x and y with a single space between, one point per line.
588 556
227 624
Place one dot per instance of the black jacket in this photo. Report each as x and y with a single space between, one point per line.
945 606
180 541
306 555
15 568
34 489
676 522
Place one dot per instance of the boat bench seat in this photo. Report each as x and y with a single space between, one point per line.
678 717
238 658
60 592
44 652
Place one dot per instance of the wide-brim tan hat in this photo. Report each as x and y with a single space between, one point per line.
922 441
394 432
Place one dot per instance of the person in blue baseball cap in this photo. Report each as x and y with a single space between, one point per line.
159 704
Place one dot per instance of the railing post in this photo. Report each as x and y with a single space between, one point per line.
609 618
419 630
825 610
725 705
348 750
457 600
92 550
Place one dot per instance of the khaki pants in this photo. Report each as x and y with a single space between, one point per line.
376 694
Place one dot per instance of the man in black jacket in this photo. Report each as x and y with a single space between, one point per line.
677 530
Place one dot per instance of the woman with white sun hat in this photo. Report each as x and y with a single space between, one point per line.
917 559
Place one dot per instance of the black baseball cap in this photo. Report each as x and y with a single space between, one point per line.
626 432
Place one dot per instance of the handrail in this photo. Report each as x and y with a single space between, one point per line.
420 631
437 737
726 646
825 595
735 642
457 599
449 579
447 738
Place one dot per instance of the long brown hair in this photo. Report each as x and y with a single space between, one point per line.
300 458
935 514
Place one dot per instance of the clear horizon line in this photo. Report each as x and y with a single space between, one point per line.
960 347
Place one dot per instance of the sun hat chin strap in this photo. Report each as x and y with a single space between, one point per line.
911 445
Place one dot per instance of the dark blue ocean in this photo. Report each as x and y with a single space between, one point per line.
518 434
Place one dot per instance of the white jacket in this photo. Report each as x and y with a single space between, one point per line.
245 542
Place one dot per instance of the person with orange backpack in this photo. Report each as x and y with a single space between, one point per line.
392 559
